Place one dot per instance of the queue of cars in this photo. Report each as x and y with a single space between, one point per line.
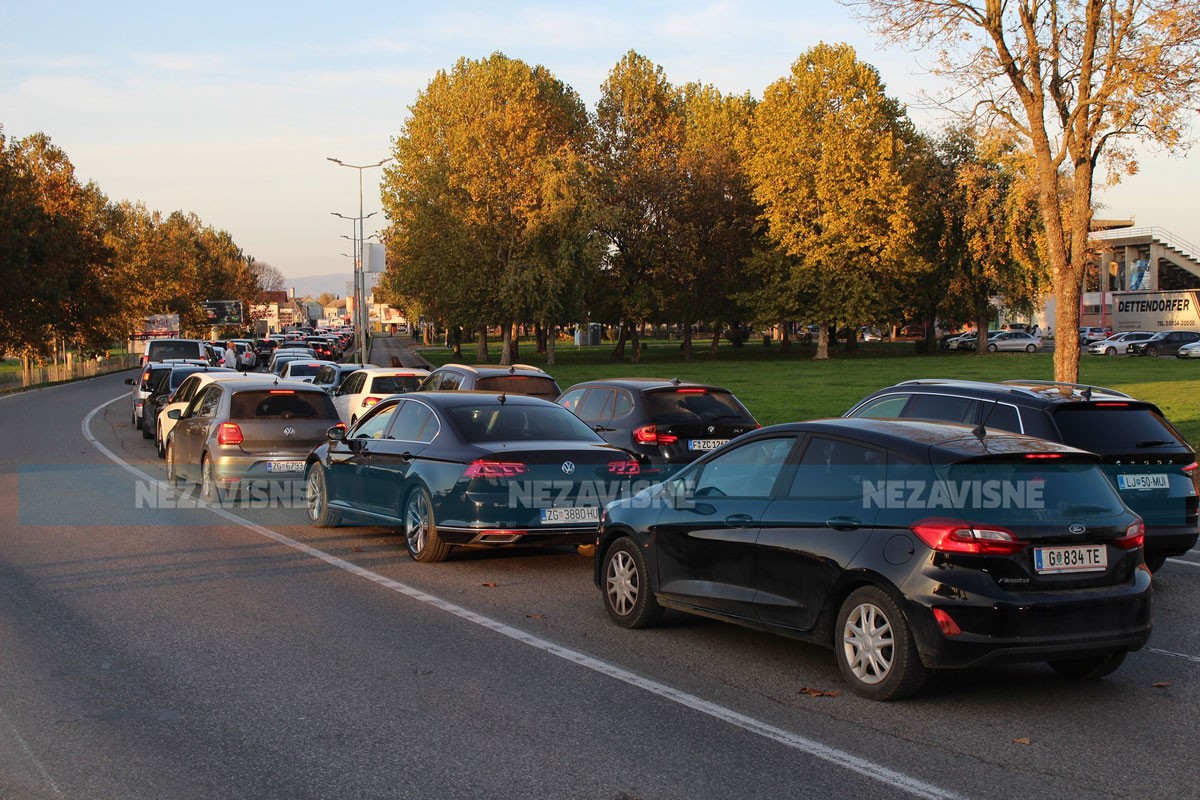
940 524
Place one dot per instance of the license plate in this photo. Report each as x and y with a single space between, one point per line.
705 444
1077 558
1143 482
571 516
285 466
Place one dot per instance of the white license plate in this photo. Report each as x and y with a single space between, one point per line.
1143 482
571 516
705 444
1076 558
285 466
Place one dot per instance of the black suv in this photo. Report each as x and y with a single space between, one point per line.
662 422
1163 343
1147 460
515 379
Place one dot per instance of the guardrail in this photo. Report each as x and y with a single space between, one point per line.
57 373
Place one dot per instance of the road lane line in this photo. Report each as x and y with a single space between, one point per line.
1181 561
833 755
1195 659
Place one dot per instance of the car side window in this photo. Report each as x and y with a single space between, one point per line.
1002 417
883 407
622 404
570 400
325 375
749 470
836 469
451 381
944 408
373 427
432 382
596 405
410 422
206 404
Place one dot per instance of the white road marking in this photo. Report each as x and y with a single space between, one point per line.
833 755
1185 656
1181 561
30 756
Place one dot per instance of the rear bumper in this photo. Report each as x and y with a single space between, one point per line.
1170 541
500 537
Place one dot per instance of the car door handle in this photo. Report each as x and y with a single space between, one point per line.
739 520
844 523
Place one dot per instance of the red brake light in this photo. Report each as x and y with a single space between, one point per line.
624 467
282 391
1135 537
1043 455
648 434
1111 405
482 468
956 536
946 623
370 401
229 433
1191 468
692 391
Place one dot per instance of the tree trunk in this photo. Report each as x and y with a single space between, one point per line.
539 336
456 342
618 353
822 342
851 339
981 329
481 347
636 358
785 340
506 337
716 340
551 335
685 349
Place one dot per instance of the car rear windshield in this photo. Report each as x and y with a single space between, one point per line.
161 351
177 375
520 423
395 384
519 384
296 370
1117 428
281 404
1037 492
689 405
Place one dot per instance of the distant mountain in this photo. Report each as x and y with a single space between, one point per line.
314 285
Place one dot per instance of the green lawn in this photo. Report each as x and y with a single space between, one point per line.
783 387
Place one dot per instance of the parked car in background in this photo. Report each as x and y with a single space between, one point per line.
1163 343
234 433
913 330
457 469
1118 343
665 423
1013 341
967 340
1151 465
1088 335
332 376
364 388
790 529
1189 351
516 379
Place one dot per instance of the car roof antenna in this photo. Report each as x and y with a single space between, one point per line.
980 430
1087 394
502 398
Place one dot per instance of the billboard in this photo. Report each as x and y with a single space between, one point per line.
157 326
1156 311
223 312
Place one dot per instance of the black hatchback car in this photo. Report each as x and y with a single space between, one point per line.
468 469
905 546
1163 343
665 423
1146 459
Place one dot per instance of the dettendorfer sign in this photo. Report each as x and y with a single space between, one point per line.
1156 311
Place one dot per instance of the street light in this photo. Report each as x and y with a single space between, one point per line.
363 321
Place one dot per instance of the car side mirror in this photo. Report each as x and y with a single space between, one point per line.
130 382
175 413
336 434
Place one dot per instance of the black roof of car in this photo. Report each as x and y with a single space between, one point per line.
1028 392
493 369
951 440
643 384
473 397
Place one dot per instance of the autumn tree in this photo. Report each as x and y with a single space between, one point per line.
268 278
826 167
490 146
1079 80
640 129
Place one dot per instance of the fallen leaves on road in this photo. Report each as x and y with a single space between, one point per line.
811 692
1023 740
1161 684
535 616
488 585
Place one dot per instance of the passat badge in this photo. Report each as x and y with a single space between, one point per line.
568 467
1078 529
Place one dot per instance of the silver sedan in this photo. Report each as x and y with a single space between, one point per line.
1014 341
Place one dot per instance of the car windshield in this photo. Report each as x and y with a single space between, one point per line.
300 370
161 351
506 423
688 404
1030 492
281 404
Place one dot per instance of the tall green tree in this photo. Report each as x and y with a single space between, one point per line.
827 170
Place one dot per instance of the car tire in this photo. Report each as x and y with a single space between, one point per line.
1152 352
874 647
146 434
1090 668
159 445
1110 351
208 482
420 529
1031 348
992 348
628 597
1155 562
172 470
316 495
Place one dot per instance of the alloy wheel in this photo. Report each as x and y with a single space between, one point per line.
622 583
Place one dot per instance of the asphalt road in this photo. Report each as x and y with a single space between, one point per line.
150 651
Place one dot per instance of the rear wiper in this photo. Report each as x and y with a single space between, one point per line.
1154 443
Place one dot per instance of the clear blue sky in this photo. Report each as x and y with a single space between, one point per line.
229 110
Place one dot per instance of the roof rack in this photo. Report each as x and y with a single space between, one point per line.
1083 387
1002 386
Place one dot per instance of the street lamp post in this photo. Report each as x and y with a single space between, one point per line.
364 322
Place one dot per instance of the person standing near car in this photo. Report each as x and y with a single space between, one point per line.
231 359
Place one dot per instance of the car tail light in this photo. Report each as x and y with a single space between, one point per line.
1111 405
482 468
229 433
1190 469
1042 455
625 467
956 536
649 434
370 401
1135 537
691 391
946 622
281 391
